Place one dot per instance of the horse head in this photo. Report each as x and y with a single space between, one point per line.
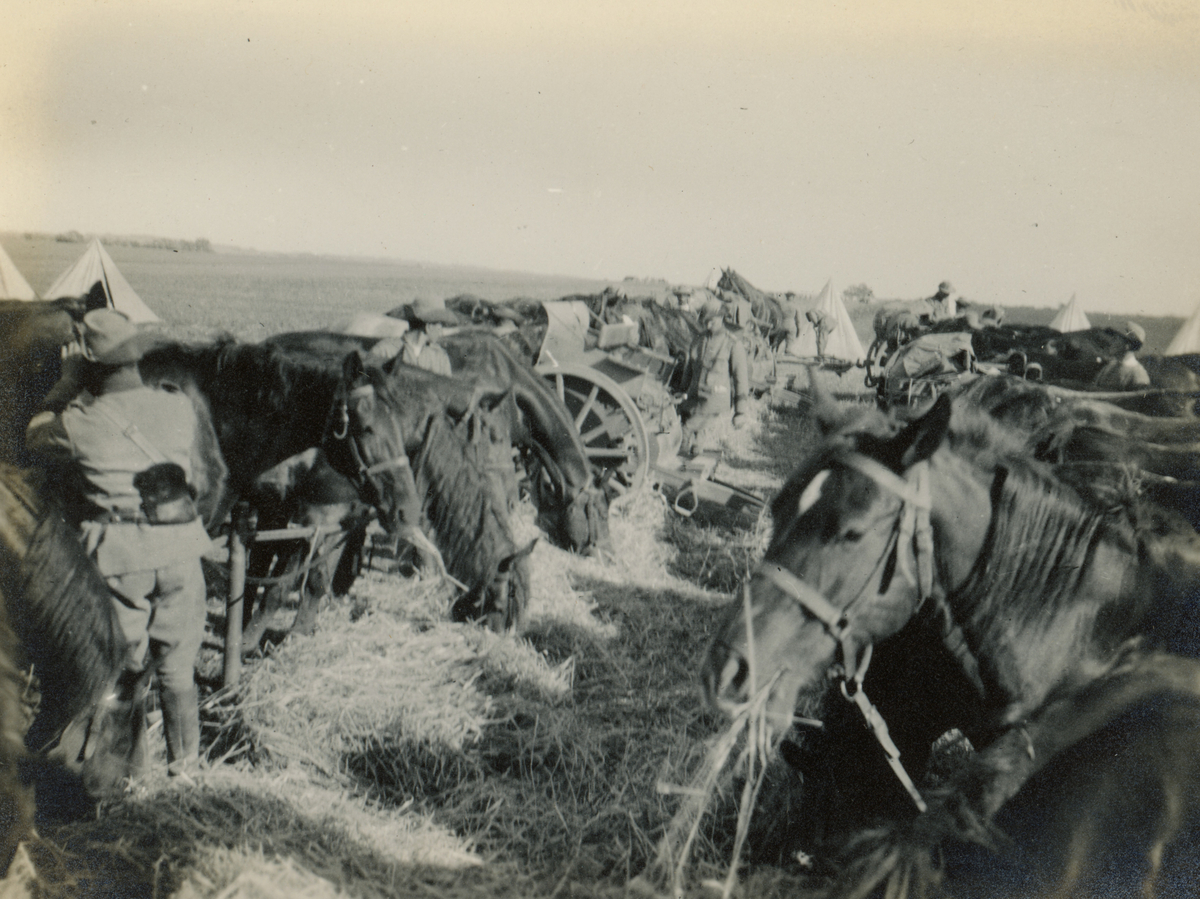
365 443
499 602
848 565
578 519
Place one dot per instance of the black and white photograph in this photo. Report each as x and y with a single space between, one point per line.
612 450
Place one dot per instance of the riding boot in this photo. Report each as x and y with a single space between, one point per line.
131 691
181 726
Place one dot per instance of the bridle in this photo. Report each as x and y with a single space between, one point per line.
364 472
913 529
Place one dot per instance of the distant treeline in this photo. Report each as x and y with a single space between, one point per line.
199 245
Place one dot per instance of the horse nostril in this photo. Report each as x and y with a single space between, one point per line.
729 687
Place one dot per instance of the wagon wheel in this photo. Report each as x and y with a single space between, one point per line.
877 359
608 422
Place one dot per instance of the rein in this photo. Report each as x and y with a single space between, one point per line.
912 528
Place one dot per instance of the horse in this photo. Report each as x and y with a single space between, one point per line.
61 652
30 363
303 491
462 508
1061 619
1095 442
268 405
571 505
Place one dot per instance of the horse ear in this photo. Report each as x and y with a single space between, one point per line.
507 562
353 367
920 440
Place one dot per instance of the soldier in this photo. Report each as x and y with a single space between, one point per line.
131 446
716 379
824 325
944 305
418 346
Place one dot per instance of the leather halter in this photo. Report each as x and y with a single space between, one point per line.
912 528
365 471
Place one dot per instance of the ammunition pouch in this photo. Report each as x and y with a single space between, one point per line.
166 496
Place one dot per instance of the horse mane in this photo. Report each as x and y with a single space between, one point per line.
57 603
1042 540
471 526
472 533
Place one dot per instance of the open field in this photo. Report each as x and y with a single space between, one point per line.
257 294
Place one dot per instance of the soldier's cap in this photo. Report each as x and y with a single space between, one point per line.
426 311
946 287
1133 329
112 339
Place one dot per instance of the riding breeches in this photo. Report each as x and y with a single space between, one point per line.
162 614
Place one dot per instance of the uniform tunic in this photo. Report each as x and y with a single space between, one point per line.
717 385
153 569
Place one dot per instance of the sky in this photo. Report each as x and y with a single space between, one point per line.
1026 150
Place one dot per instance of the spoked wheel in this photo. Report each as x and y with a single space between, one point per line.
877 360
609 424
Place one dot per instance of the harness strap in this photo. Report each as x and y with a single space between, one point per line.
400 461
878 727
885 477
808 599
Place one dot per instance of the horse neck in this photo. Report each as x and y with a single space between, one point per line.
551 427
1023 590
261 424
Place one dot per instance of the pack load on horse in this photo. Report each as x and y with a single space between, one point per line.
938 576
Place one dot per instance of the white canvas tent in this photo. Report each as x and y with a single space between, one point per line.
95 265
1070 318
843 342
1187 338
13 285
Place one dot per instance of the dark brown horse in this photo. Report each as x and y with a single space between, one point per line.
469 520
1062 618
268 405
571 505
61 650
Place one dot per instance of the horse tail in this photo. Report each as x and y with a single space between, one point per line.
58 605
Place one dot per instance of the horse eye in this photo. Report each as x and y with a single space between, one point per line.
852 536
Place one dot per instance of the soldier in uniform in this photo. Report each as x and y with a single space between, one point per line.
824 325
943 303
716 380
132 449
418 346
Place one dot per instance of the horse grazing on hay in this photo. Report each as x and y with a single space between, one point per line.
980 592
571 505
61 651
468 517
